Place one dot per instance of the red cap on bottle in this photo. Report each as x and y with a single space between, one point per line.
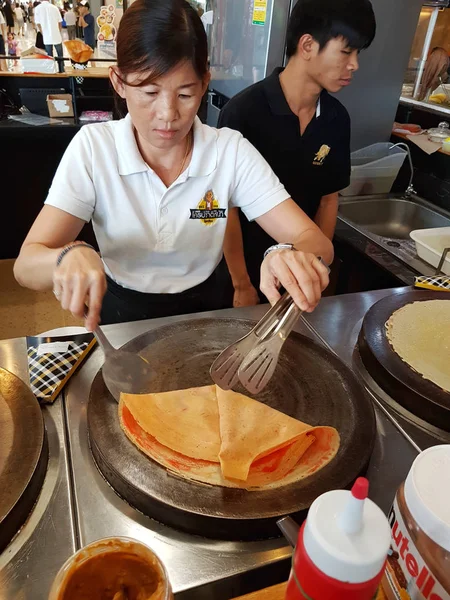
360 489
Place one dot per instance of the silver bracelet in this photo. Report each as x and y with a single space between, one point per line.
278 247
291 247
70 247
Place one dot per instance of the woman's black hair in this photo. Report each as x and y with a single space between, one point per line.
156 35
324 20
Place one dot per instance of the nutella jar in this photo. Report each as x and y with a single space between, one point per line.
418 566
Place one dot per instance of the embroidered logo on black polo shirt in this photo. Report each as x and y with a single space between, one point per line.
208 210
324 151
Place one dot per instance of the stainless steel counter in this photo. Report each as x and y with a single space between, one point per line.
31 561
199 568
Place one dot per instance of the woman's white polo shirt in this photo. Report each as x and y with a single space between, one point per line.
155 239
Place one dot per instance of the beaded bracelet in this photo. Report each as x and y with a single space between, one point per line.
69 247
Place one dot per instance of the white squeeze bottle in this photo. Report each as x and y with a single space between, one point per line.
341 548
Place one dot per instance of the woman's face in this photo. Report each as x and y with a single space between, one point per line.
163 111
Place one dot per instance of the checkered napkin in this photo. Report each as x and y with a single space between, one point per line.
438 283
53 360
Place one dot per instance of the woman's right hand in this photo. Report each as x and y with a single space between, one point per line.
80 281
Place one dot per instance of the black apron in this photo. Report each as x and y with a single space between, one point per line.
122 305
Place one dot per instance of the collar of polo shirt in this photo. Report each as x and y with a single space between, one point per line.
279 105
130 161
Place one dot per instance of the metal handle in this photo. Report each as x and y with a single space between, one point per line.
268 322
287 313
288 321
289 528
442 261
101 338
105 344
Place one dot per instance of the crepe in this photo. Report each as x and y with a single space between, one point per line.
223 438
420 334
258 431
186 421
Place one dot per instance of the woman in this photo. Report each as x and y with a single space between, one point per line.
3 36
9 15
148 183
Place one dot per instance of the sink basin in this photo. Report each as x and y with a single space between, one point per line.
391 218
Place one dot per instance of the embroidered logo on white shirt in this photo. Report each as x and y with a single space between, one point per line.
208 210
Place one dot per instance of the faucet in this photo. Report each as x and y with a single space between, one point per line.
410 189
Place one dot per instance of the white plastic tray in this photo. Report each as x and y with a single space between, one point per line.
430 244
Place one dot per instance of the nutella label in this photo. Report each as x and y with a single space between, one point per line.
407 576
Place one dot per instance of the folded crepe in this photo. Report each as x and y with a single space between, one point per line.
224 438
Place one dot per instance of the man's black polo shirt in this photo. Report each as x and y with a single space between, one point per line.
310 166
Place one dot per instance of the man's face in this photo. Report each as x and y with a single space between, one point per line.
333 66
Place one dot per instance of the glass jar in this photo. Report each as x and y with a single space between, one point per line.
419 562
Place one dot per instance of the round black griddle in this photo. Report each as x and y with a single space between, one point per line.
23 454
420 396
310 384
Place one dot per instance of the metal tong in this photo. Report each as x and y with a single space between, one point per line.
252 360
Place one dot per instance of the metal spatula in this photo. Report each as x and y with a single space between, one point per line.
123 371
258 366
224 370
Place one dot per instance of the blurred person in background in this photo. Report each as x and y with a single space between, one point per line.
71 21
3 34
24 8
435 72
87 22
12 44
9 15
31 14
48 21
39 43
20 19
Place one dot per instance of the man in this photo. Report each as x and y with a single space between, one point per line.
71 21
87 22
302 131
48 21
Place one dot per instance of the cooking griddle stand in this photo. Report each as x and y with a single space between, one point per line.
30 562
200 567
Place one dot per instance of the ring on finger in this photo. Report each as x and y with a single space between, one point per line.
57 294
322 262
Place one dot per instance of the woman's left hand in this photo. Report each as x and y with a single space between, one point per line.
301 274
245 296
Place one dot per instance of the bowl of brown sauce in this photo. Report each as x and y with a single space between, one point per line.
112 569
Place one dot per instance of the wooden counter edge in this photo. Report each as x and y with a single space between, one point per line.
277 592
91 73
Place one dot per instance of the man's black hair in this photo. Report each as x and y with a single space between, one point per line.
324 20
